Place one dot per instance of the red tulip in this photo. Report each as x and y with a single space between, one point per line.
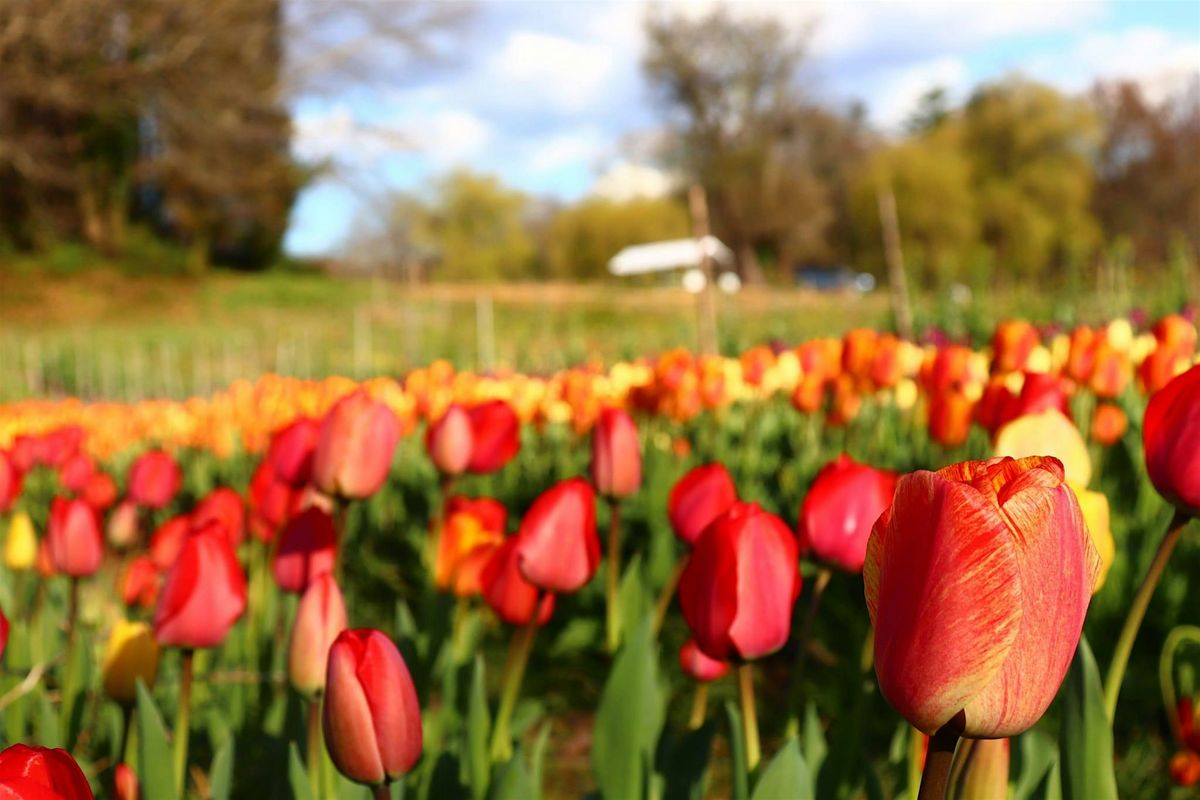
307 550
140 583
842 504
272 502
100 491
74 473
1184 768
696 664
1012 344
508 593
450 441
496 436
224 506
41 773
125 783
291 450
10 481
1039 392
354 452
372 715
167 541
740 583
154 479
978 578
557 548
75 544
1171 439
122 527
204 592
616 454
55 447
24 452
320 617
700 496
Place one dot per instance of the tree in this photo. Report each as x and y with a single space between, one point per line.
583 237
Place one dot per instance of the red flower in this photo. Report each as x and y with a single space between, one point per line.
1171 439
1184 768
10 481
204 593
272 502
292 448
224 506
557 548
307 550
695 663
372 715
41 773
508 593
740 583
74 473
75 544
125 783
842 504
154 479
354 453
320 617
616 454
100 491
1012 344
140 583
471 531
699 497
450 441
167 541
496 435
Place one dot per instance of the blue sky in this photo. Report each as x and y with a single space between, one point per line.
548 95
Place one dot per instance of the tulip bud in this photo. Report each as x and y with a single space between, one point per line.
842 504
154 479
978 577
1171 440
616 454
740 584
21 545
700 496
224 506
980 770
508 593
696 664
1012 343
41 772
307 550
10 482
125 783
122 527
100 491
495 436
449 441
372 717
320 617
354 451
74 473
291 451
75 544
557 548
131 653
203 594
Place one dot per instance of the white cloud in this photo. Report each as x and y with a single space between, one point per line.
547 68
451 136
575 148
900 89
624 181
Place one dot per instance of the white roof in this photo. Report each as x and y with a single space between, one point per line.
640 259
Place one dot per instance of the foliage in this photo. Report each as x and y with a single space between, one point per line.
583 237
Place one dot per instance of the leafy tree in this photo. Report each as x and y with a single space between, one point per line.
583 237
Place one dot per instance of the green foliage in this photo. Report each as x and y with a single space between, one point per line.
583 237
786 777
155 770
1085 739
629 718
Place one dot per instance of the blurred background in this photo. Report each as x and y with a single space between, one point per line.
192 193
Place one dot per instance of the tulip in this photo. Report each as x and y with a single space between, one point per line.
842 504
354 451
75 544
41 773
291 451
167 541
950 418
372 719
75 472
307 550
699 666
473 529
1047 433
495 434
125 783
557 547
140 583
272 502
616 455
698 498
10 482
1012 343
320 617
507 592
154 479
980 770
21 544
809 394
122 527
100 491
1109 424
204 592
131 654
1184 768
223 505
977 581
450 441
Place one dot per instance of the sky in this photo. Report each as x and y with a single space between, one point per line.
549 95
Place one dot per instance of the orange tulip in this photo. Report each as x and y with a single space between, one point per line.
1109 424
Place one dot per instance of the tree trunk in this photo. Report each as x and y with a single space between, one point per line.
748 264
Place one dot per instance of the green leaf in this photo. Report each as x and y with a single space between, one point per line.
629 718
512 780
786 777
479 726
220 774
580 634
737 752
632 599
1036 754
814 746
297 775
155 770
1085 736
537 760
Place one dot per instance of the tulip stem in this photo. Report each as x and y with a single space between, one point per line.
1137 612
614 575
667 594
126 729
795 693
936 777
514 672
68 684
314 745
745 676
916 750
183 719
382 792
699 706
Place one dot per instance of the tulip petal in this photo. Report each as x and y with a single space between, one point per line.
395 709
763 622
349 731
708 592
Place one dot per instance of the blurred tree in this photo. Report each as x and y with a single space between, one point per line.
582 238
933 108
1148 168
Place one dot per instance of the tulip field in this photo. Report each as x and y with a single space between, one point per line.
854 567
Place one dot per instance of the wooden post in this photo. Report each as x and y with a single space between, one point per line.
706 307
897 282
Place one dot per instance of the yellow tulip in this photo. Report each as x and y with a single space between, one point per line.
1047 434
132 653
1094 506
21 545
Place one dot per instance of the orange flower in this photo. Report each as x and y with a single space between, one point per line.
473 529
1109 424
1012 344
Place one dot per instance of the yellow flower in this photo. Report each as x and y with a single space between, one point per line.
21 546
1094 506
1047 434
132 653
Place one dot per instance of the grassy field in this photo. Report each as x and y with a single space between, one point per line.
103 334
